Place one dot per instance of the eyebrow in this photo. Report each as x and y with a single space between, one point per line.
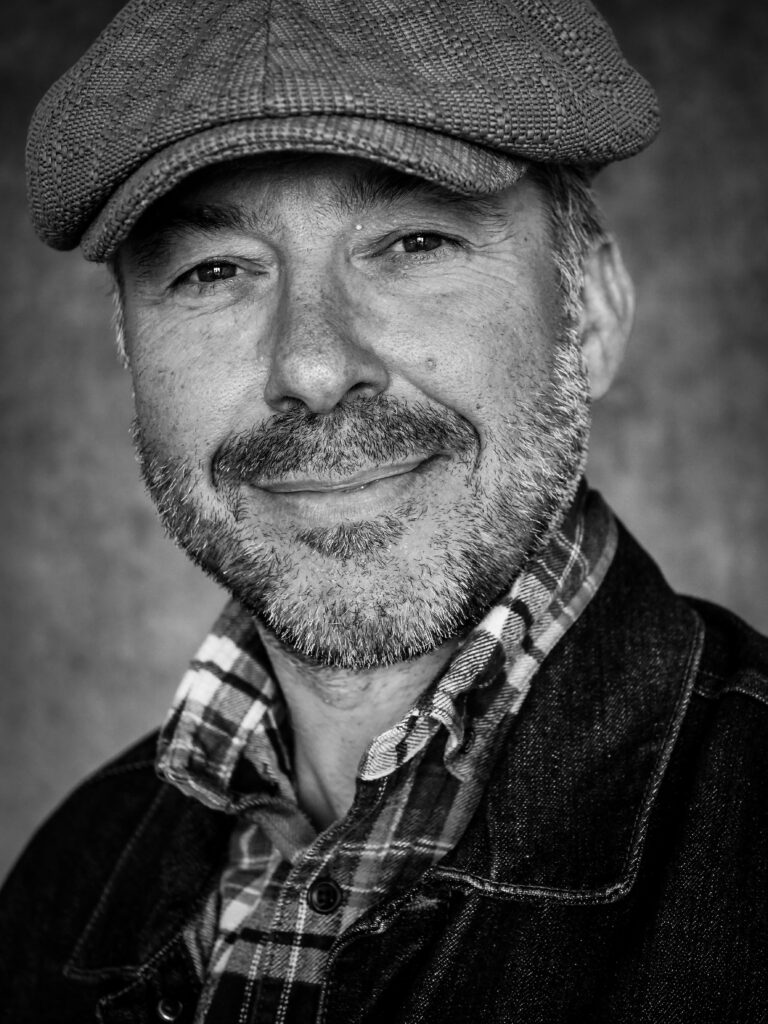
356 196
210 217
152 240
362 192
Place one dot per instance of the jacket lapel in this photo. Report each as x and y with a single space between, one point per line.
162 877
566 812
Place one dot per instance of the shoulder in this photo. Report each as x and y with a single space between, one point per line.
104 808
638 632
726 729
74 853
103 886
720 761
734 657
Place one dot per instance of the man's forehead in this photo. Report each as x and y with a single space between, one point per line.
241 195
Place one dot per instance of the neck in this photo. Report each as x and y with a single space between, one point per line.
334 715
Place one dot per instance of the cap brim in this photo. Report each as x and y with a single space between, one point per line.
458 165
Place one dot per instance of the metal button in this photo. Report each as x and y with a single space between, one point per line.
324 895
169 1009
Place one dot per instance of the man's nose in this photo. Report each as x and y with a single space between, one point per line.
319 355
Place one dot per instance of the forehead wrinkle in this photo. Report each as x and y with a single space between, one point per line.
363 191
359 193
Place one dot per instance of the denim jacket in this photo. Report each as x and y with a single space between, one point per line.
615 871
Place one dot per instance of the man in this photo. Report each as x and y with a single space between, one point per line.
454 751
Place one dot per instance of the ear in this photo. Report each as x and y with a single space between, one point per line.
608 310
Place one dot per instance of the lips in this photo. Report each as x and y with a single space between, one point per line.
357 481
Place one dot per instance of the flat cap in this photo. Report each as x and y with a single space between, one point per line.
459 92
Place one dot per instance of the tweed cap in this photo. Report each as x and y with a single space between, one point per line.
459 92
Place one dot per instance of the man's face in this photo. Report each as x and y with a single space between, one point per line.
358 405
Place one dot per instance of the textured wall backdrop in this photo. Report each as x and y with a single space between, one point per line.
99 612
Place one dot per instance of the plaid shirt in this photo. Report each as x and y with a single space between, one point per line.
288 893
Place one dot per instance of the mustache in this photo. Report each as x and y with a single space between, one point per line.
352 438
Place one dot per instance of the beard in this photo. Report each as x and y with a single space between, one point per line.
386 589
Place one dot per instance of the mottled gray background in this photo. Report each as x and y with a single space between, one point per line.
99 612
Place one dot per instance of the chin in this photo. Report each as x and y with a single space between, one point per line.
370 594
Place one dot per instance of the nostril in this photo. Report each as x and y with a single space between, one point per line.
323 391
286 404
363 390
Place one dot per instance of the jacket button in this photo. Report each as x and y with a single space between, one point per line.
324 895
169 1009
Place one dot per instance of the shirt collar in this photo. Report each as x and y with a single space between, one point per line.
226 742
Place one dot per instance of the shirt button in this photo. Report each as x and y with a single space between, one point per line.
169 1009
324 895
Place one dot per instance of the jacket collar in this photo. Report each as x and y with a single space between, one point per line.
164 874
566 813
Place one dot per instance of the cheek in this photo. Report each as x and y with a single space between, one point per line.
482 347
187 381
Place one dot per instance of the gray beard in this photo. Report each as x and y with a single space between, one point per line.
335 595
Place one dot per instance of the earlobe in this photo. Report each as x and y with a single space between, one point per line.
608 310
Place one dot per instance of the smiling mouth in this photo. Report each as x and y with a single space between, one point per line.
356 482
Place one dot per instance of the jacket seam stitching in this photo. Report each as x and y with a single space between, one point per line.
632 862
732 688
147 969
71 969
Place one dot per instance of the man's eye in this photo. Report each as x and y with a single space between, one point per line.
422 242
214 270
